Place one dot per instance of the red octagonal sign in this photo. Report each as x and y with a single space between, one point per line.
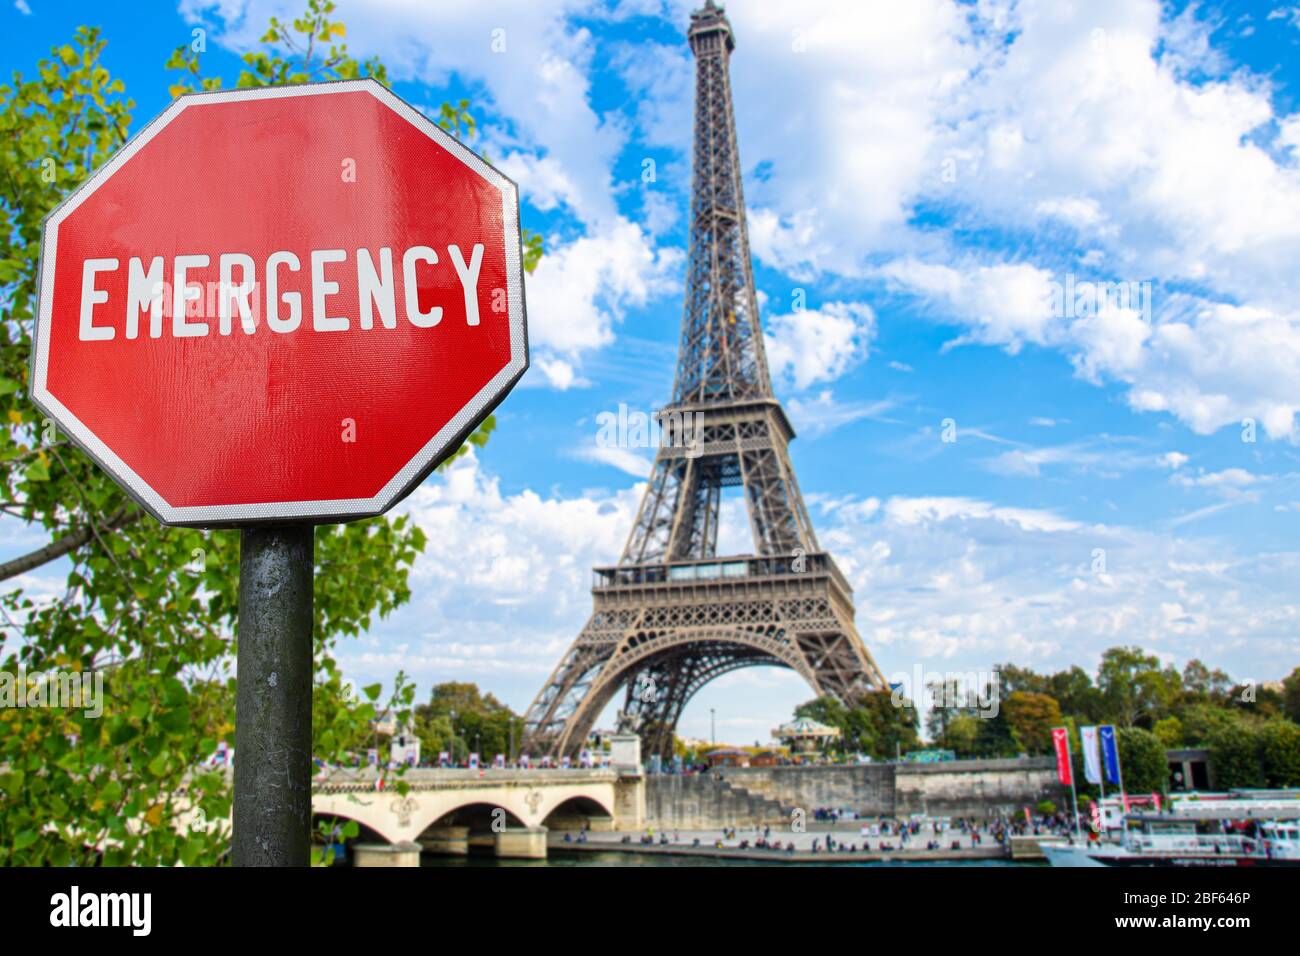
286 303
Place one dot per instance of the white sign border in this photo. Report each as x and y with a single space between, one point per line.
330 511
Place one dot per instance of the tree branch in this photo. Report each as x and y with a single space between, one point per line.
67 544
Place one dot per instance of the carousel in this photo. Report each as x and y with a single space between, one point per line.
806 738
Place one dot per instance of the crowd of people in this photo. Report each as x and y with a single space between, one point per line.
876 834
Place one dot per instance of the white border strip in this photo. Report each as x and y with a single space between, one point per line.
424 461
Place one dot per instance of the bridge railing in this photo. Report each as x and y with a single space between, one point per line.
420 778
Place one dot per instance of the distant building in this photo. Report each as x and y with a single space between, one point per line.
1189 769
728 757
403 744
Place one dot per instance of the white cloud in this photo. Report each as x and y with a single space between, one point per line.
822 413
1230 483
557 372
972 583
940 509
1228 477
580 289
1104 456
1290 14
661 77
624 459
1007 305
503 585
819 345
520 545
542 179
865 83
1079 212
1288 134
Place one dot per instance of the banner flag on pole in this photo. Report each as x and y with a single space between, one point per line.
1091 759
1064 772
1110 752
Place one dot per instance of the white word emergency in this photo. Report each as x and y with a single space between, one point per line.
240 293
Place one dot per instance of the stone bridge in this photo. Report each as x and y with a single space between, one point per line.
449 810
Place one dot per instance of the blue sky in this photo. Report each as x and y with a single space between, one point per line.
921 176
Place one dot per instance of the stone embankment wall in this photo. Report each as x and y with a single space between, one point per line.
755 795
978 787
704 802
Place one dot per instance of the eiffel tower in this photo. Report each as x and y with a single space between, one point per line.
673 615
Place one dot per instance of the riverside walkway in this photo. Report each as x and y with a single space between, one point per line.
683 843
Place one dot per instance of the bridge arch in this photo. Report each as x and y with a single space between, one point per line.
366 833
577 811
368 809
483 819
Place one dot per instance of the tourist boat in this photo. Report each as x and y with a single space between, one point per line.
1167 840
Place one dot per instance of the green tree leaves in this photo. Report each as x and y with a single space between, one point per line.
481 721
1142 758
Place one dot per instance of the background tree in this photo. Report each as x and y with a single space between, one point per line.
1142 758
1077 695
962 735
1012 679
1291 696
1133 684
1169 731
1032 717
481 721
875 727
946 699
1255 700
1201 682
1202 721
893 728
1279 751
994 737
1234 751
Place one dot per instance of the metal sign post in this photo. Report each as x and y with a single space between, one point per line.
272 809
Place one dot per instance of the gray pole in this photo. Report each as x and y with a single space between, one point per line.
272 807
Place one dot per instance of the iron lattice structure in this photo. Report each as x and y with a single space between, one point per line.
671 615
